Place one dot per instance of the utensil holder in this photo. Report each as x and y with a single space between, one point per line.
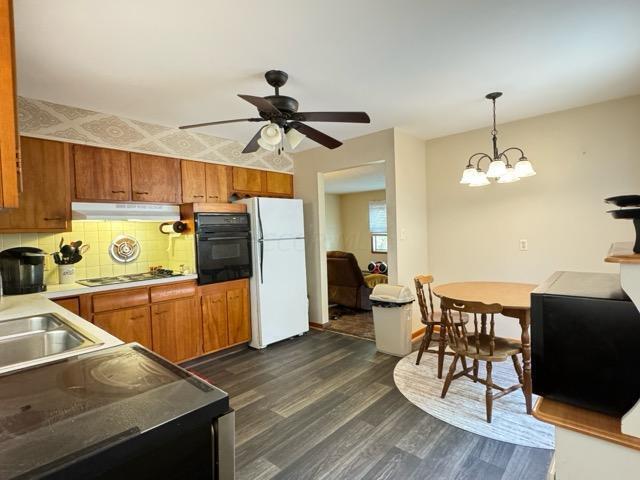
66 274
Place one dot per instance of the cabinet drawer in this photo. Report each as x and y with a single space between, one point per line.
124 299
162 293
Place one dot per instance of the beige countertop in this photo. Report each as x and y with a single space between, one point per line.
73 289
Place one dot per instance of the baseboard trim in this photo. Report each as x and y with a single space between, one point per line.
316 326
418 333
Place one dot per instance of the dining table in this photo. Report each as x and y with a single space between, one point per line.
515 299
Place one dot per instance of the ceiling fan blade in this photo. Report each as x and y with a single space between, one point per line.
261 104
253 146
195 125
349 117
316 135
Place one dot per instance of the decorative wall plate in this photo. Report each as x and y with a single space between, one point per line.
124 249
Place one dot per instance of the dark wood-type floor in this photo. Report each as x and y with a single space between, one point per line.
325 406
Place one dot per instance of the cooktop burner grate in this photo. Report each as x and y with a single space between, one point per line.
132 277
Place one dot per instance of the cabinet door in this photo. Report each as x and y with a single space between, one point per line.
238 313
217 183
247 180
280 184
8 124
214 320
129 324
155 179
72 304
177 329
45 203
101 173
194 184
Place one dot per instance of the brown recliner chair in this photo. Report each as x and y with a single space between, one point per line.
347 285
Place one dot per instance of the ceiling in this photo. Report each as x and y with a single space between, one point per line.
421 65
358 179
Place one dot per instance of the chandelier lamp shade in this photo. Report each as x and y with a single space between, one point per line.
499 167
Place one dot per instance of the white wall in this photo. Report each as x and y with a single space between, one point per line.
333 225
581 156
309 167
407 195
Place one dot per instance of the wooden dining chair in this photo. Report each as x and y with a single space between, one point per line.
481 346
431 319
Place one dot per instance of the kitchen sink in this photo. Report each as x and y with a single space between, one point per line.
33 338
29 324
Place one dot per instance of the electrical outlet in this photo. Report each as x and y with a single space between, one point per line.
524 245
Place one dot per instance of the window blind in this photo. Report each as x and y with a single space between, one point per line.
378 217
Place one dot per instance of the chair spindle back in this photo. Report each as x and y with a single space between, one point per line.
457 330
425 310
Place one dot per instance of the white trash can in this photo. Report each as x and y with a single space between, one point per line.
392 318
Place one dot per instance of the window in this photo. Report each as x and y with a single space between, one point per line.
378 226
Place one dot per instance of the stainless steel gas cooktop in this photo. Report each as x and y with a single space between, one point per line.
132 277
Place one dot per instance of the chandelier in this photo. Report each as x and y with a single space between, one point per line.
500 167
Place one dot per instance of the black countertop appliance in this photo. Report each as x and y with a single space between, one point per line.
118 413
585 333
22 270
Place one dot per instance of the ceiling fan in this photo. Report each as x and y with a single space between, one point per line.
285 122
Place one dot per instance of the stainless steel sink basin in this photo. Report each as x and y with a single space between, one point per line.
32 338
29 324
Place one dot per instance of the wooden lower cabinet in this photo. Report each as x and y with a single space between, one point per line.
214 320
238 313
226 315
72 304
128 324
177 329
177 320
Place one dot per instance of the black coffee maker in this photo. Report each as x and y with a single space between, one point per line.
22 270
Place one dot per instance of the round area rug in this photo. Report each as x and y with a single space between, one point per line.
464 405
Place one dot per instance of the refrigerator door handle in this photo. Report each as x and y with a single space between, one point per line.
261 243
260 238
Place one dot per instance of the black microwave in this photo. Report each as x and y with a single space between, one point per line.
223 247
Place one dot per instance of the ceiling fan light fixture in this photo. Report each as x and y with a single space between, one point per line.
270 135
266 145
294 137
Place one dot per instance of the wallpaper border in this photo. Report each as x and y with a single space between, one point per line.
53 121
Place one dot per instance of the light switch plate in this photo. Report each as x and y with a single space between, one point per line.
524 245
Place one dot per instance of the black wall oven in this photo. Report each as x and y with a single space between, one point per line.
223 247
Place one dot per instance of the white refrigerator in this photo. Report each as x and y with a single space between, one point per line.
279 303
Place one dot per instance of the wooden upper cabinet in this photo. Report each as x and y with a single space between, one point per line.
177 329
248 180
217 178
155 179
280 184
101 174
45 202
194 185
8 123
238 312
129 324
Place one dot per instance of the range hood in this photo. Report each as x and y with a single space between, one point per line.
141 212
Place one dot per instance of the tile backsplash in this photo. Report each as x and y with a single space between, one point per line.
155 248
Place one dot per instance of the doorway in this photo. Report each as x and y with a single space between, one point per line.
356 245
